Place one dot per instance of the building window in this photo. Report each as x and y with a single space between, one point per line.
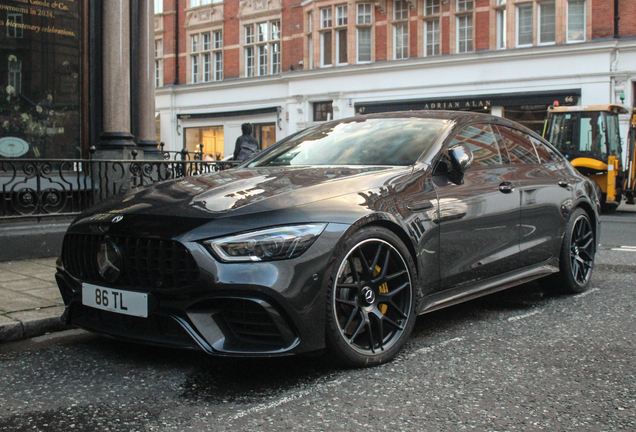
323 111
400 30
325 18
15 32
576 21
329 32
501 26
363 15
158 6
547 22
432 7
195 3
249 61
524 25
158 63
263 41
206 57
363 32
15 75
341 15
431 37
464 33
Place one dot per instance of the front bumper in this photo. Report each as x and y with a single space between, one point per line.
239 309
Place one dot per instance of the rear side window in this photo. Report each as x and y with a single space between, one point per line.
520 147
481 140
545 153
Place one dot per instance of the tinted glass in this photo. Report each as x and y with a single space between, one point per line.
358 142
520 148
481 140
545 153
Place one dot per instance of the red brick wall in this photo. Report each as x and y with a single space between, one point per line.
445 35
627 23
413 38
482 30
231 63
603 18
380 43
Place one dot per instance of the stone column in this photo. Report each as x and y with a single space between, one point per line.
146 107
116 132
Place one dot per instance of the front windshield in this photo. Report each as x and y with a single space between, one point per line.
585 134
371 141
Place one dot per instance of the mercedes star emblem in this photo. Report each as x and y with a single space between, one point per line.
109 261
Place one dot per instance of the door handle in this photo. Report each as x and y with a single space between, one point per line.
564 183
506 187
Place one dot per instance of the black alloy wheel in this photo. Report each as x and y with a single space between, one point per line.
371 299
582 250
576 260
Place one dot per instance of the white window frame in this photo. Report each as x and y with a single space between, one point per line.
263 47
322 48
468 40
567 30
363 16
518 26
326 18
432 7
502 28
194 68
249 65
400 10
370 30
158 7
465 5
541 6
158 62
436 44
403 44
342 18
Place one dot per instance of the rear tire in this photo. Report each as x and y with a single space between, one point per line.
370 299
576 260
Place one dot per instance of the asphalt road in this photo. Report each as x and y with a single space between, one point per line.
521 360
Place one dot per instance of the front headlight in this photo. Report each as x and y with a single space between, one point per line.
266 245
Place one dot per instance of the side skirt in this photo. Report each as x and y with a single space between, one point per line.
460 294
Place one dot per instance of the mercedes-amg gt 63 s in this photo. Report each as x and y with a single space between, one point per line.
334 239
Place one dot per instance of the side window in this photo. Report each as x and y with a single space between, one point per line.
545 153
520 148
481 140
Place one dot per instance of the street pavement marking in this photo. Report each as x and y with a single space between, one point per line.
586 293
290 398
625 249
529 314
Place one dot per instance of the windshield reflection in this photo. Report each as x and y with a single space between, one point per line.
393 141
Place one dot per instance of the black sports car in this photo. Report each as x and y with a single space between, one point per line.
336 238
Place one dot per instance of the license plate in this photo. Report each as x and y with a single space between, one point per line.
118 301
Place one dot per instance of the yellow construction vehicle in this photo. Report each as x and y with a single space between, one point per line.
589 137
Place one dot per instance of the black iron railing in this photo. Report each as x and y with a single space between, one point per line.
64 187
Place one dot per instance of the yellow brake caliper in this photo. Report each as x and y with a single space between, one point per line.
384 289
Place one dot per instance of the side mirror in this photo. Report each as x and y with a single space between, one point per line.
461 157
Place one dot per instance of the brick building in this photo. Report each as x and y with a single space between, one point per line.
284 65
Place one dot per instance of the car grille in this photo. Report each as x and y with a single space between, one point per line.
250 322
147 263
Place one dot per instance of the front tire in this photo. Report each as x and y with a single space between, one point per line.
577 254
370 299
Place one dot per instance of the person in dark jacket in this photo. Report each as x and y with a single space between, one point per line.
246 145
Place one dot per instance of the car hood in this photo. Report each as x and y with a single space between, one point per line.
238 192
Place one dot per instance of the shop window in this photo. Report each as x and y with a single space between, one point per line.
262 48
531 116
464 33
547 22
323 111
576 21
524 25
208 140
265 134
158 62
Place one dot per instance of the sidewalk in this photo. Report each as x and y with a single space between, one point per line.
30 303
